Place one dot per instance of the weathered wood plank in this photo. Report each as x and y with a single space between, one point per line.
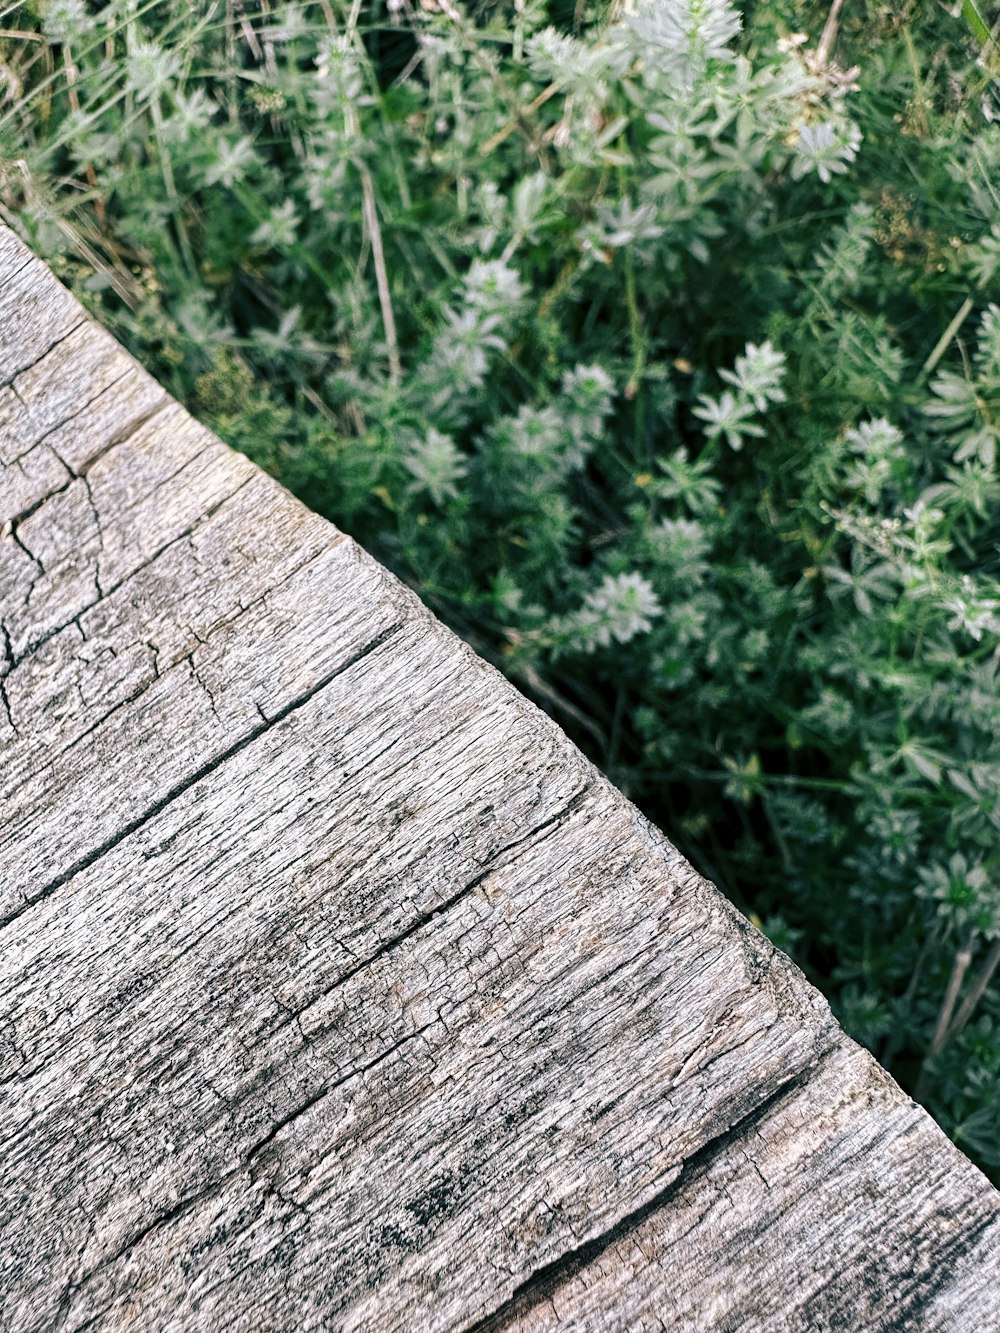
172 725
113 651
57 403
838 1193
316 1016
89 536
35 318
337 990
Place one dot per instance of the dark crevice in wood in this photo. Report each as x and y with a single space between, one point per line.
163 1219
122 436
296 1112
21 370
8 658
198 775
35 505
9 277
78 412
8 651
207 444
159 669
18 541
129 699
199 679
540 1287
441 908
34 645
247 1165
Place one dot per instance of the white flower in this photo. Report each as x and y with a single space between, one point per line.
436 464
493 286
826 148
622 606
681 36
280 228
758 374
233 159
727 415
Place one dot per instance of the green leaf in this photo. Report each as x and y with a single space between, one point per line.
977 24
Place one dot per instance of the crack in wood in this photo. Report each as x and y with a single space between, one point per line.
130 372
128 431
35 505
209 512
539 1288
22 370
198 775
18 541
300 1110
445 906
10 274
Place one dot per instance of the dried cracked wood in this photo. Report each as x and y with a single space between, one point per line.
337 990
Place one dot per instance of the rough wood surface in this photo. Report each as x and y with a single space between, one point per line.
337 990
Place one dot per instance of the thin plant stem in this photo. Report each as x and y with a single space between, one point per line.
167 170
829 35
921 100
959 967
69 66
495 140
381 274
781 842
374 229
541 687
614 740
634 327
976 991
942 344
518 113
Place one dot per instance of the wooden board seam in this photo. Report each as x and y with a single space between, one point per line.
202 772
104 593
12 382
539 1287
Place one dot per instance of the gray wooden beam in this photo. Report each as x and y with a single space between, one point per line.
337 989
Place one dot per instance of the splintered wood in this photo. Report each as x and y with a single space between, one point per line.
337 990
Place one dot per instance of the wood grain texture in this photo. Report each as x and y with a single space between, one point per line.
337 990
813 1213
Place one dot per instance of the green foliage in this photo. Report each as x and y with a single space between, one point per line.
661 357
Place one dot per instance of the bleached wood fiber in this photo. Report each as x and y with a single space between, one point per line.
337 990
